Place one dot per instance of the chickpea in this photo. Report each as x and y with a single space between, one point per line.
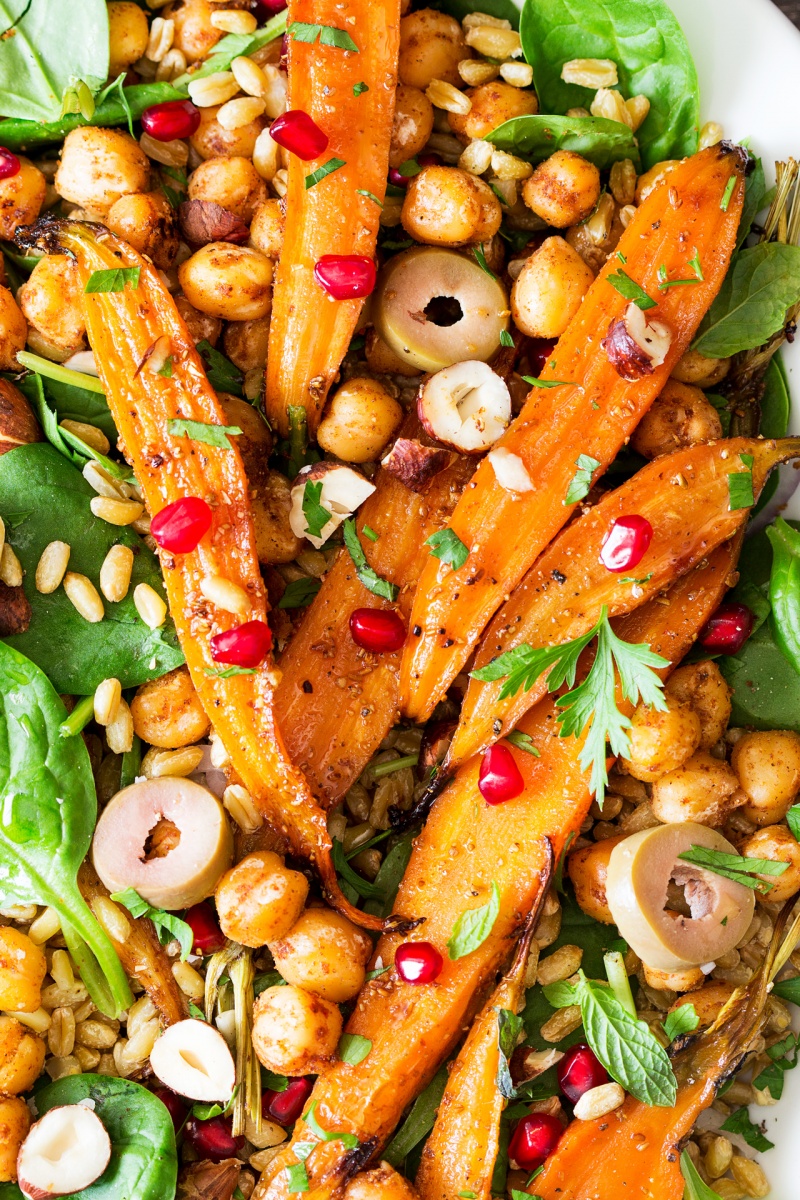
445 206
266 231
661 741
276 542
13 331
431 47
210 140
382 359
492 104
51 301
768 766
21 198
708 1002
324 953
549 289
588 870
680 416
701 371
704 789
23 966
413 124
596 238
18 425
128 33
778 844
359 420
231 282
295 1033
260 899
703 686
563 189
246 343
688 980
15 1121
98 166
21 1057
201 327
194 33
230 181
148 222
380 1183
653 178
167 712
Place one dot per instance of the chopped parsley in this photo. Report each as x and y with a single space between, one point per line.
201 431
726 195
333 164
448 548
370 578
327 35
582 479
740 485
631 290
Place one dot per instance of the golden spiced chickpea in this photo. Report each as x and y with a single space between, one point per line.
231 181
246 343
147 221
708 1001
661 741
276 541
226 281
21 198
13 331
777 843
210 140
167 712
445 206
324 953
431 47
15 1121
563 189
380 1183
194 33
492 104
201 326
680 416
688 980
413 124
51 301
702 685
382 359
128 33
596 238
653 178
98 166
549 289
266 230
703 372
588 870
705 789
295 1033
359 420
21 1057
23 967
767 763
260 899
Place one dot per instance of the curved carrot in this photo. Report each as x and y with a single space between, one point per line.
592 415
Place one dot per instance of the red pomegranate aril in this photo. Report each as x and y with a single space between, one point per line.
418 962
499 778
212 1139
180 526
539 350
298 133
245 646
534 1139
174 1105
170 120
9 163
430 160
728 629
401 181
207 936
286 1107
579 1071
378 630
626 543
345 276
264 9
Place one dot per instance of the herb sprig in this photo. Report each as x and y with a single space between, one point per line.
732 866
370 578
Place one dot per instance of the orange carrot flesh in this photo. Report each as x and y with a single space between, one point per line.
310 331
592 415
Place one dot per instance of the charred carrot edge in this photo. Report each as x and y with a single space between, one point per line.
464 848
310 331
592 415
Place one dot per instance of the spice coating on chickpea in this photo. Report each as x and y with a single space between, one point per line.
359 421
211 140
445 206
148 222
167 713
15 1121
381 1183
201 326
246 343
778 843
128 34
266 230
23 967
413 124
260 899
21 1057
226 281
294 1032
51 301
704 372
324 953
231 181
492 104
194 33
13 331
588 870
705 789
549 289
661 741
21 198
680 416
98 166
702 685
563 189
431 47
767 763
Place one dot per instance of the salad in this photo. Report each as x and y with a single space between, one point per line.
399 631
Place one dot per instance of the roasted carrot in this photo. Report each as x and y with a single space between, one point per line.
123 328
465 847
592 414
350 95
685 496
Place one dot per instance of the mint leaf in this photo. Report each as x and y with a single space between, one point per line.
473 927
113 280
695 1188
582 479
732 866
168 926
739 1122
448 548
353 1048
300 592
683 1020
201 431
625 1046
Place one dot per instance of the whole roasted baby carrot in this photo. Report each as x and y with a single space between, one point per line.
344 77
588 417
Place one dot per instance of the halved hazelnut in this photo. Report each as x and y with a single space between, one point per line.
509 470
466 406
343 491
636 346
65 1151
192 1058
414 464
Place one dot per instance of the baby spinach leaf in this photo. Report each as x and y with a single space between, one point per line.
221 372
760 286
509 1027
113 110
536 138
390 875
756 198
645 41
144 1160
41 54
54 497
74 449
419 1121
766 689
73 403
775 406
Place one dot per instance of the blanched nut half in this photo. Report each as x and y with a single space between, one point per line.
65 1151
192 1058
466 407
437 307
167 837
343 491
640 871
636 346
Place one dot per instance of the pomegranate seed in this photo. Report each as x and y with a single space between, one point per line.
283 63
418 962
245 646
424 160
430 160
401 181
296 131
345 276
207 935
9 163
539 351
728 629
626 542
212 1139
170 120
264 9
180 526
579 1071
500 778
534 1139
378 630
287 1106
173 1104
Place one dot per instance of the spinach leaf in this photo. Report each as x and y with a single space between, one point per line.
645 41
775 407
419 1121
756 198
760 286
234 46
74 449
113 110
505 9
144 1160
390 875
73 403
41 54
49 810
54 497
535 138
766 689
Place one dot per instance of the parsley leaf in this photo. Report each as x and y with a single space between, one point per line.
523 741
113 280
201 431
333 164
740 485
369 196
370 579
732 866
349 1140
682 1020
739 1122
505 338
448 548
299 592
353 1048
297 1178
631 290
473 927
167 925
359 88
328 35
582 479
317 517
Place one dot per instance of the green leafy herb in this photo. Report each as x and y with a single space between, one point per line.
467 1195
390 876
228 672
113 280
419 1121
168 926
783 1057
131 763
166 370
353 1048
761 284
234 45
370 196
409 168
376 974
480 258
582 479
370 579
362 887
328 35
222 374
509 1028
535 138
695 1188
300 592
621 281
783 592
694 263
550 383
370 533
756 197
78 98
297 1178
726 195
474 926
349 1140
317 517
739 1122
360 88
740 485
732 866
522 741
664 282
448 548
644 579
201 431
793 821
207 1112
268 979
333 164
196 1012
506 339
683 1020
